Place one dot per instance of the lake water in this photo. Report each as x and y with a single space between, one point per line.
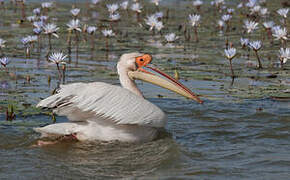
242 131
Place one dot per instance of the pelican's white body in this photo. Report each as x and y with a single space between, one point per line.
100 111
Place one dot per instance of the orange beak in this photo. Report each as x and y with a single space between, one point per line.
143 61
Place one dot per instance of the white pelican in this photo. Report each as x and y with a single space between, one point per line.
100 111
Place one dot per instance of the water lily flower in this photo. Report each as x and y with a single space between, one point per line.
108 33
43 18
251 3
50 29
194 19
221 24
197 3
136 7
28 40
4 61
115 17
95 1
91 29
244 42
264 11
240 5
230 53
75 12
256 46
256 9
226 18
2 43
158 15
284 55
250 25
156 2
124 5
283 12
36 11
46 5
230 11
57 57
171 37
112 8
279 33
37 31
151 21
74 24
31 18
268 24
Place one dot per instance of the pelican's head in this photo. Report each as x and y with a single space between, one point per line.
133 65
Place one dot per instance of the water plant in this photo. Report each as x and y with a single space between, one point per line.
230 54
194 20
57 58
51 30
284 55
256 46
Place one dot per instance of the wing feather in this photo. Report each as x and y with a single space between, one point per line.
95 101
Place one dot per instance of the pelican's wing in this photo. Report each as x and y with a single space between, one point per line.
83 101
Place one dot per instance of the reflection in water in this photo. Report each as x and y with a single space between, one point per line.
109 159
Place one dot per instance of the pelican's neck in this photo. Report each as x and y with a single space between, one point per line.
128 83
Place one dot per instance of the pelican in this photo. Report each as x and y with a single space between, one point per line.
100 111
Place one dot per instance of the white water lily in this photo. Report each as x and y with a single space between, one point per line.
221 23
50 29
279 33
57 57
46 5
284 54
268 24
256 9
197 3
136 7
283 12
251 3
112 8
115 17
151 21
2 43
38 24
29 40
91 29
250 25
124 5
264 11
75 12
108 33
171 37
74 24
255 45
156 2
244 42
4 61
194 19
31 18
36 11
230 53
95 1
226 17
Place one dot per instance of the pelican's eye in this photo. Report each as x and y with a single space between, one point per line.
142 61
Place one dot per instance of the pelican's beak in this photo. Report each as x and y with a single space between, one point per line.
165 81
